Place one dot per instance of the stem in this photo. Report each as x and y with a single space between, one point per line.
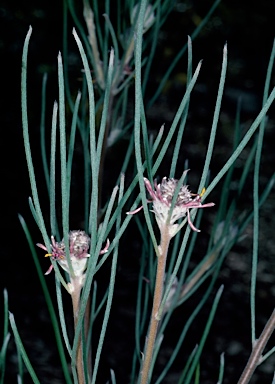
204 268
79 355
155 318
87 320
89 19
257 350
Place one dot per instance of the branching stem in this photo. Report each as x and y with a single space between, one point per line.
257 350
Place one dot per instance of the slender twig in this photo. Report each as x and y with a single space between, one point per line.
155 319
89 19
257 350
79 355
204 268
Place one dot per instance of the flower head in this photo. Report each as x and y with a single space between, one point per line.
79 243
162 196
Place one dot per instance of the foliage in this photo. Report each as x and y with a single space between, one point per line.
115 82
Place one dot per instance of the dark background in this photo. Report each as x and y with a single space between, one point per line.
248 29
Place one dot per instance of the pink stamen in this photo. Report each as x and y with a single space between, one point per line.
190 222
42 246
104 250
134 211
49 270
148 185
137 209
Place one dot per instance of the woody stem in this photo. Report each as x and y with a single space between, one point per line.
79 354
257 350
155 319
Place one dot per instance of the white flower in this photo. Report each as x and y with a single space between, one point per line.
162 195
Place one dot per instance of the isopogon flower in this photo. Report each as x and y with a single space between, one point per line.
79 243
162 195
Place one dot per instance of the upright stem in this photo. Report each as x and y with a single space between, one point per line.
86 328
160 276
79 354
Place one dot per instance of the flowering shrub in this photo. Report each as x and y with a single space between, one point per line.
98 117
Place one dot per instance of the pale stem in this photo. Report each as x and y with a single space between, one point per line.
203 269
152 333
86 328
257 350
89 19
75 301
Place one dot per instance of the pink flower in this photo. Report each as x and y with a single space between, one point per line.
79 243
162 196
